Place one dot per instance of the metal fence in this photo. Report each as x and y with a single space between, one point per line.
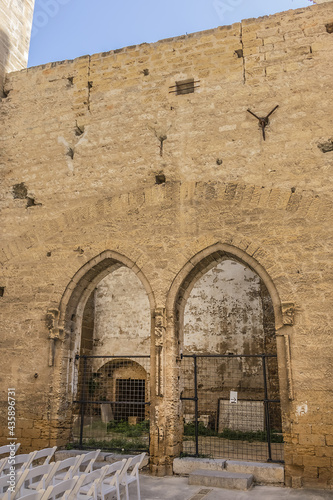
231 407
111 403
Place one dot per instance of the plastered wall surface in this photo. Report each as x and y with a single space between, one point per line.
122 315
224 312
81 145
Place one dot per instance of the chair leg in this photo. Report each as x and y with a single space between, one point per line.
138 488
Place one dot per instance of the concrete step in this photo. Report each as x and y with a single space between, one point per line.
221 479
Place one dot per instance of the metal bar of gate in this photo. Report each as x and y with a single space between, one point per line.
196 412
267 416
83 396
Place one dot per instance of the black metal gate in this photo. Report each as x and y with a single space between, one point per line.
231 407
111 403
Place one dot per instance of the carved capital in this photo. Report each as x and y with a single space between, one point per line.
288 313
160 325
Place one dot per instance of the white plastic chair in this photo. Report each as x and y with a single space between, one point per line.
8 448
35 495
61 490
114 474
67 469
46 454
133 476
36 478
21 462
88 484
88 462
4 493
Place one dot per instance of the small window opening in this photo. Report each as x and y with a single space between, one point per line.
329 27
184 87
160 179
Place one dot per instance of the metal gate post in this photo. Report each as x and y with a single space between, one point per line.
196 413
83 397
267 416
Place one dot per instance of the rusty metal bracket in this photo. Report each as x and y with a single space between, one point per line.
263 121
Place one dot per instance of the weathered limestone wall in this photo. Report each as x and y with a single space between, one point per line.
81 144
15 29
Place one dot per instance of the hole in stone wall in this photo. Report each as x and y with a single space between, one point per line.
326 146
293 189
219 161
162 138
160 179
146 72
20 191
2 291
70 81
329 27
79 250
31 202
70 153
90 84
239 53
79 130
48 254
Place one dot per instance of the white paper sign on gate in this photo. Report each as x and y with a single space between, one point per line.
233 397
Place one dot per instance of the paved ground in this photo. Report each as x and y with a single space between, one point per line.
177 488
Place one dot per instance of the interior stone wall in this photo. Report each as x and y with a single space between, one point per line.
224 312
122 315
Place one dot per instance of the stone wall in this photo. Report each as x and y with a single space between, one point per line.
15 29
102 166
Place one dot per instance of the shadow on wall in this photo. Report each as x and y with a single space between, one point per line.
4 53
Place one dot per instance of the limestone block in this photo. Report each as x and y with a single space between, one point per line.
186 465
216 479
263 473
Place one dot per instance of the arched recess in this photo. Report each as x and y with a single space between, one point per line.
71 313
82 284
205 260
179 293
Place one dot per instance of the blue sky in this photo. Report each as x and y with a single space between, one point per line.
65 29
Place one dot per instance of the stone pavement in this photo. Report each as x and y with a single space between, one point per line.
177 488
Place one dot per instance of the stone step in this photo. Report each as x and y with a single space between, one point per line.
186 465
221 479
263 473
